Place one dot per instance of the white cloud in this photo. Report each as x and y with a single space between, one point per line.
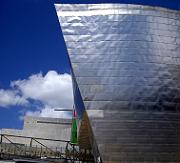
52 90
10 98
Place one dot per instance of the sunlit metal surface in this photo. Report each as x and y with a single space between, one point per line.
126 61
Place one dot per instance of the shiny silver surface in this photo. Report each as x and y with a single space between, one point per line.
126 61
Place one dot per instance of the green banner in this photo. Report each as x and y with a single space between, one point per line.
74 130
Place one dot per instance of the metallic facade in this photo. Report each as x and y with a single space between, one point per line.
126 62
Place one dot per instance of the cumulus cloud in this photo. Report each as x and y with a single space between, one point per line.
10 98
52 90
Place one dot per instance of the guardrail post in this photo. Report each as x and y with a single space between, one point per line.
36 150
56 153
25 150
1 147
73 153
1 139
31 142
41 152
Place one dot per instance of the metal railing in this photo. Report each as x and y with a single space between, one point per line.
18 146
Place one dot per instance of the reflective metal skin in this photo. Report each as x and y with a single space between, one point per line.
126 62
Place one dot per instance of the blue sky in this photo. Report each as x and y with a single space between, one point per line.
32 50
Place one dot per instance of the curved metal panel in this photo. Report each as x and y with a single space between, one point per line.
126 60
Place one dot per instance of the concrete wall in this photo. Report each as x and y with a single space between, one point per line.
39 127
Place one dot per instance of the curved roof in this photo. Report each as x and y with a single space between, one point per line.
171 4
